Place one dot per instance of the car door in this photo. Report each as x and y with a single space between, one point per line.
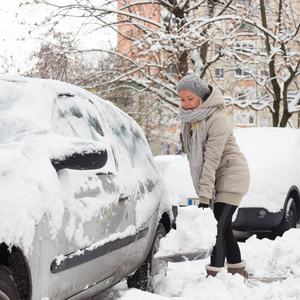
91 244
142 185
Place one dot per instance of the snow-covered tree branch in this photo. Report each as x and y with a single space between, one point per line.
249 49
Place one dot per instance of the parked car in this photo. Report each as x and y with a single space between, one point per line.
82 204
273 201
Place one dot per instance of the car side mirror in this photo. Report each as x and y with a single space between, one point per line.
91 160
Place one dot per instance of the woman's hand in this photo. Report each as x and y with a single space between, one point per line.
202 205
204 202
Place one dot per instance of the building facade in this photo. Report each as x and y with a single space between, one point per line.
244 78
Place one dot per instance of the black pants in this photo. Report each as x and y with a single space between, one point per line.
226 244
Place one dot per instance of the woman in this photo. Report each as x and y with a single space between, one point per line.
218 168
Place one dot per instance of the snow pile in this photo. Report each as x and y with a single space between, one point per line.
279 257
196 230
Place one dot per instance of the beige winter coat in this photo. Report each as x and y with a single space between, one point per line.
225 167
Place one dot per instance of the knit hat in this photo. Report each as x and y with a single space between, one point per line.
195 84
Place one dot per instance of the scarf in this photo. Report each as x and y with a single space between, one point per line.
193 142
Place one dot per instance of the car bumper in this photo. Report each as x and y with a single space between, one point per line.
256 219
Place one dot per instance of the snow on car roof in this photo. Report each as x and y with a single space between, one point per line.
273 155
25 107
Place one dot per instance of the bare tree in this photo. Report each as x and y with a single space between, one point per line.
163 40
155 38
283 57
58 58
7 63
266 54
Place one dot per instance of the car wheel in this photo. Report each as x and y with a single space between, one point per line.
289 219
8 288
150 275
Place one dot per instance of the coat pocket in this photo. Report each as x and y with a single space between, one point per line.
232 175
229 166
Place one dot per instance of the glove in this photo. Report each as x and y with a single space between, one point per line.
204 202
202 205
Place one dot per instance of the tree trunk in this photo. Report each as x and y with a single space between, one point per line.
274 82
183 63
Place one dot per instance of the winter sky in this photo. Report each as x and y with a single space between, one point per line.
13 35
19 38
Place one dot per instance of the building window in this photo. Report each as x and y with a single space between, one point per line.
245 117
219 73
246 27
241 96
241 73
238 72
244 2
266 96
245 47
264 73
217 49
263 50
169 20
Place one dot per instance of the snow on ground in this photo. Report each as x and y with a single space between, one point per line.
273 265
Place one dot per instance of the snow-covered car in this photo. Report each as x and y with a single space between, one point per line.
82 204
273 201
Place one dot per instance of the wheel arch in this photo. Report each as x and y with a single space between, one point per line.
295 194
166 221
15 261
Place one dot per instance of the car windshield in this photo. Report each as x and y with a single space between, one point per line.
23 112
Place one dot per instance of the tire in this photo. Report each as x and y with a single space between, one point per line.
289 218
8 288
152 272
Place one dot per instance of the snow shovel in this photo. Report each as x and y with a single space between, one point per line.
181 257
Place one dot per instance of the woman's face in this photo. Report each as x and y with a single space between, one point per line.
189 100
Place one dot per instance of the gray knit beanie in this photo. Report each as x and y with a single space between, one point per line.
195 84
